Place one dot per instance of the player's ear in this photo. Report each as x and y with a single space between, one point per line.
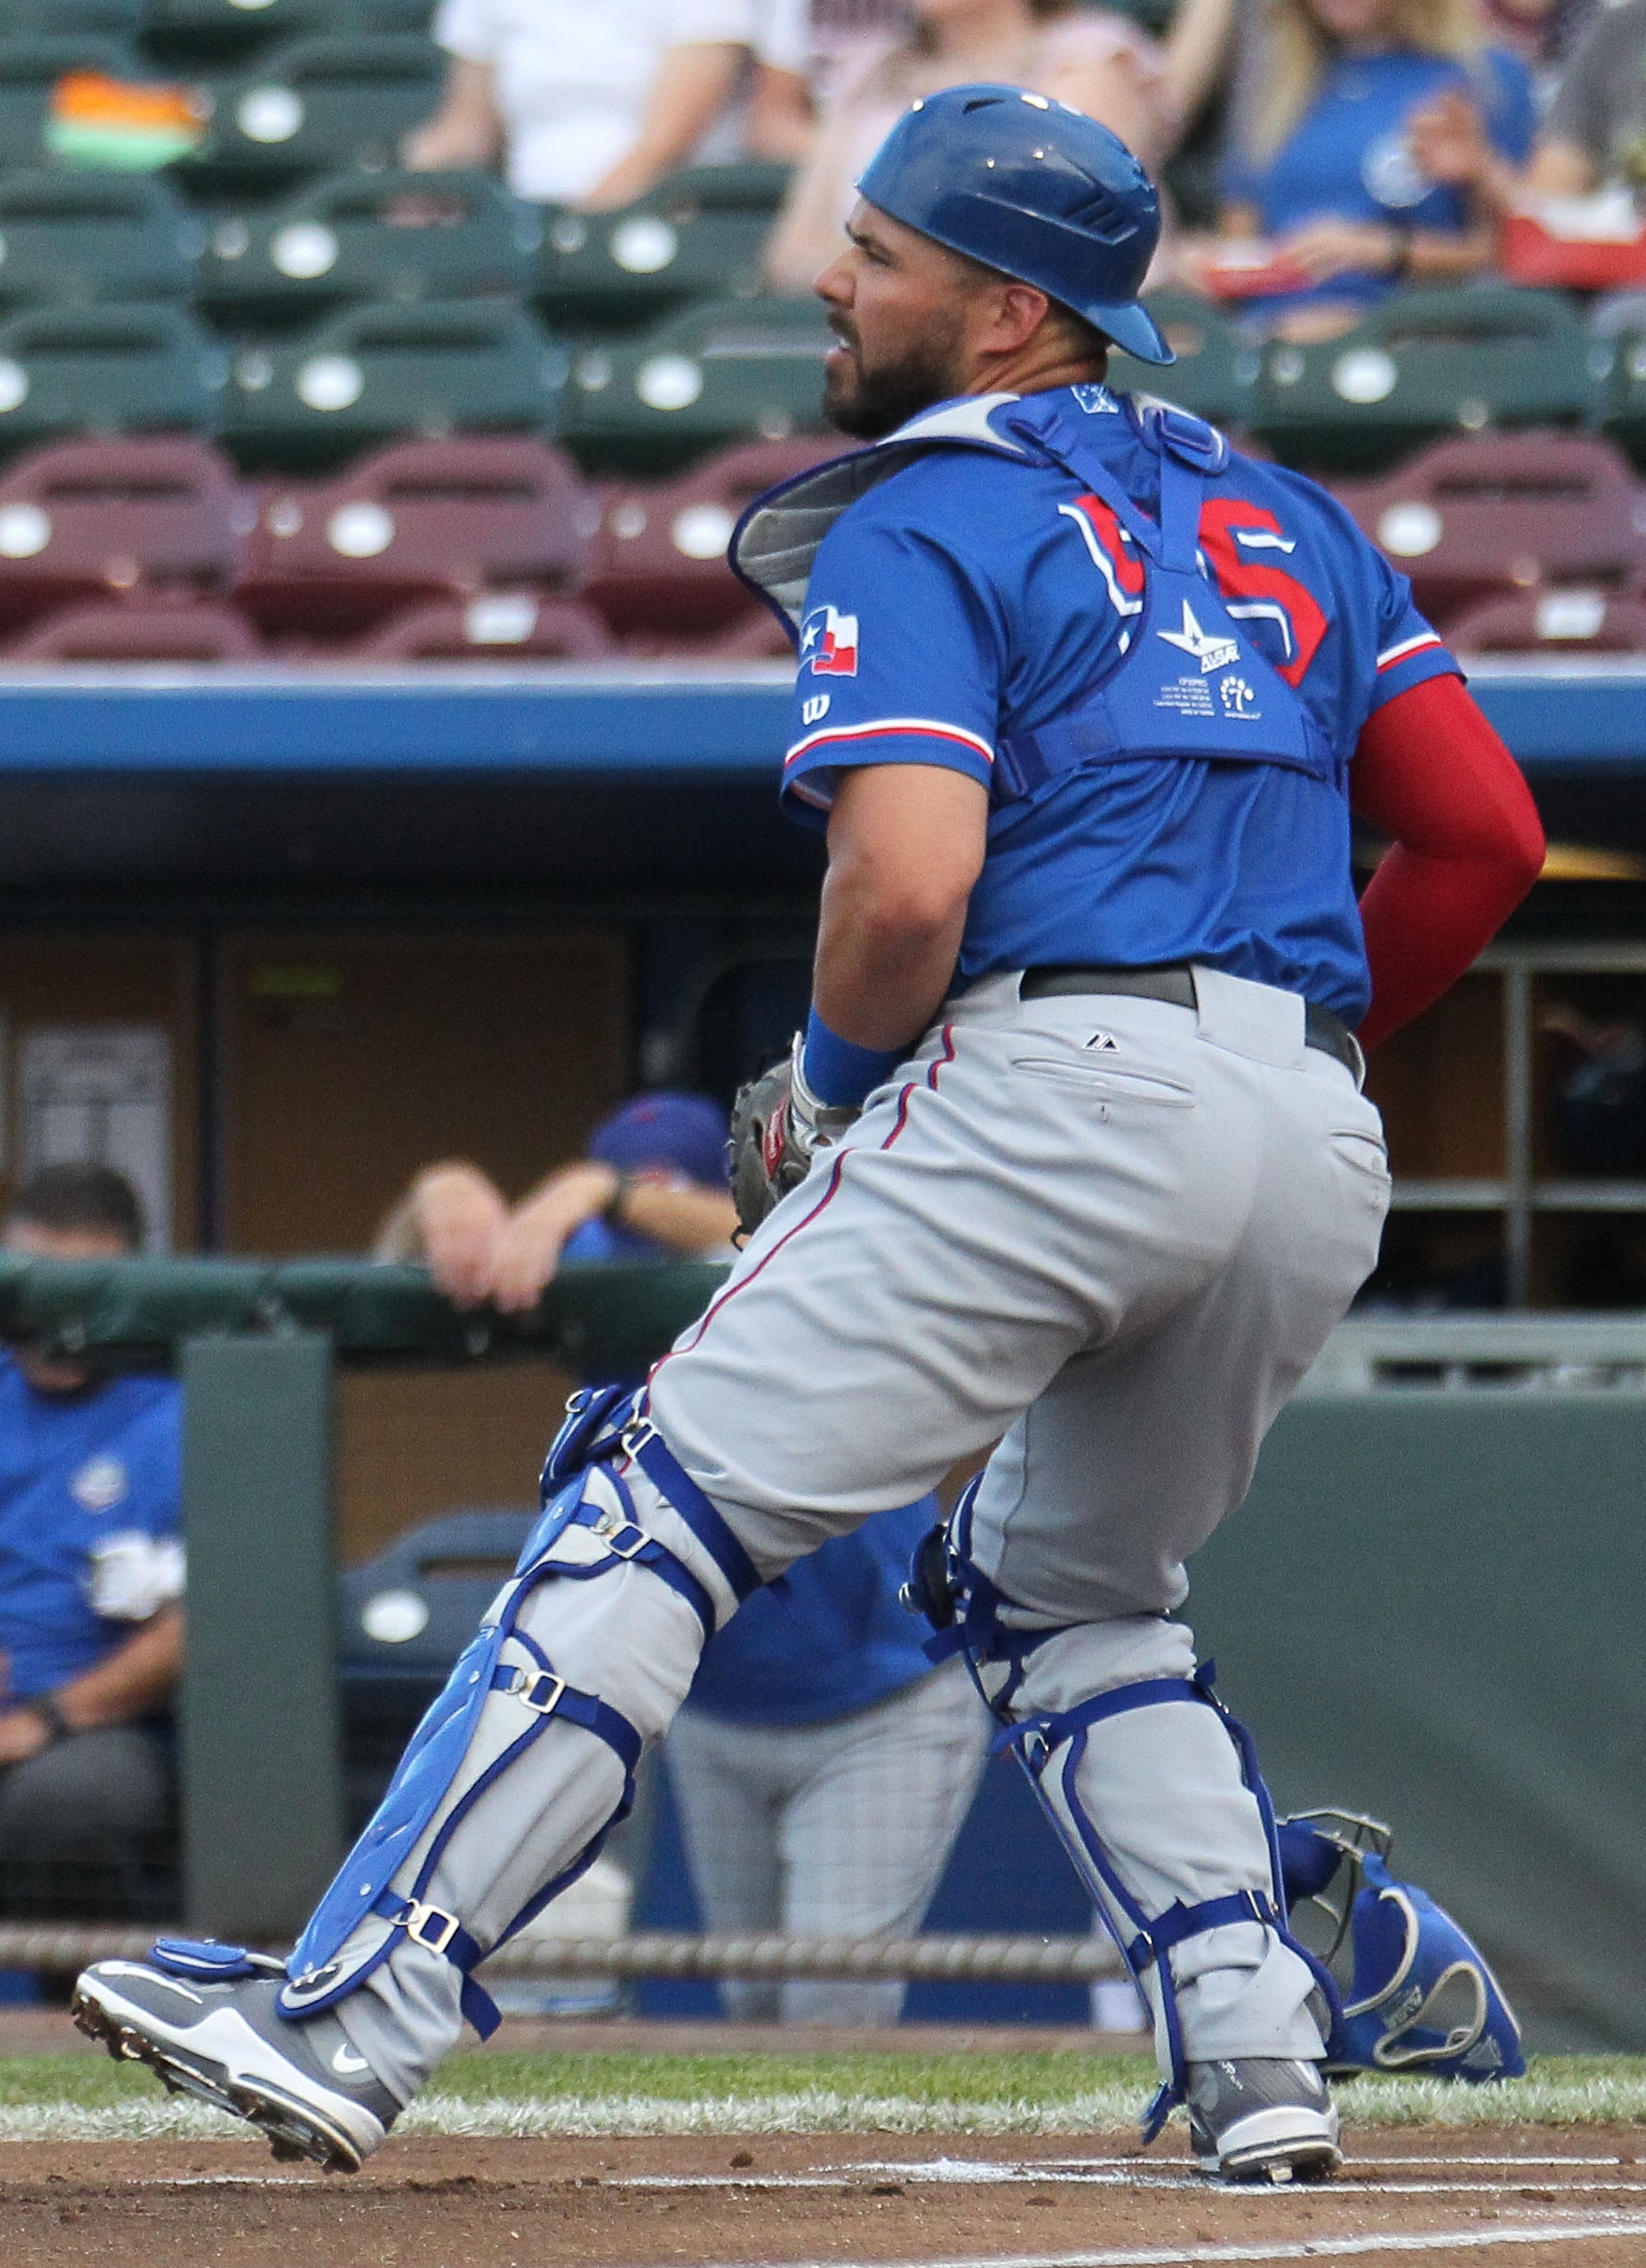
1018 312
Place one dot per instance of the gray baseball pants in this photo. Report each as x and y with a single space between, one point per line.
1112 1231
840 1829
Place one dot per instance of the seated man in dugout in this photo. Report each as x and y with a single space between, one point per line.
91 1581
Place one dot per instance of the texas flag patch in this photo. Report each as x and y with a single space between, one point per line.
828 642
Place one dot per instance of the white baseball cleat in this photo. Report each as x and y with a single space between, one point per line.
1263 2118
301 2083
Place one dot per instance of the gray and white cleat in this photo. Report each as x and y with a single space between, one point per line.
302 2084
1263 2118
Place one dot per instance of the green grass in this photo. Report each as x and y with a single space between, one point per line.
70 2096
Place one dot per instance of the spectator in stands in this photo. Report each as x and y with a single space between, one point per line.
91 1574
1093 58
1593 135
1325 172
591 106
822 1767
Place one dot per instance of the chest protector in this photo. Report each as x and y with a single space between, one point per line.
1189 683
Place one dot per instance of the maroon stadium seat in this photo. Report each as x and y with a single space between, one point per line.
756 636
496 626
417 520
1503 512
187 630
84 518
658 558
1552 621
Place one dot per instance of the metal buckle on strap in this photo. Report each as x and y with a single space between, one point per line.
627 1542
541 1690
635 1437
415 1922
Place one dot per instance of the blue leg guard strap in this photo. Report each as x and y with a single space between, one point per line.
587 1530
1038 1739
657 1461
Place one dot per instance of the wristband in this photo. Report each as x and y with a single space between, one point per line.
838 1072
44 1706
612 1211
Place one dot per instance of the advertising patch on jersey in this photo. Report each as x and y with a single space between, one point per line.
828 643
99 1484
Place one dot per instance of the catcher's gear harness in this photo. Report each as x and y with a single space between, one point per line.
778 1127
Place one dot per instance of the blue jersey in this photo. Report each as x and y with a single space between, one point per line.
832 1639
980 594
1348 158
75 1470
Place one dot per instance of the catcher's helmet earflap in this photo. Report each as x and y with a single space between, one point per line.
1421 1997
1029 186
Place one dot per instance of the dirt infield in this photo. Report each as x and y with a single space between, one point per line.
1524 2193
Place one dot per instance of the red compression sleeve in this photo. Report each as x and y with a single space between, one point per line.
1468 845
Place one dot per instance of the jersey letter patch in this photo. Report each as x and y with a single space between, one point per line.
828 643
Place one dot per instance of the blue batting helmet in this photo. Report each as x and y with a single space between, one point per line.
1035 189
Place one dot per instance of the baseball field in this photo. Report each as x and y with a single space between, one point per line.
630 2146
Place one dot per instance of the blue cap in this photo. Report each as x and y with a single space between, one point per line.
664 1133
1029 186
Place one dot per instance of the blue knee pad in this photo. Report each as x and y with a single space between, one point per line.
947 1585
581 1537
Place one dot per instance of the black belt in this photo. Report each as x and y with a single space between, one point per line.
1173 982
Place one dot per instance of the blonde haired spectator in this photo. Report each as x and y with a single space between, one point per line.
1326 172
591 106
1090 59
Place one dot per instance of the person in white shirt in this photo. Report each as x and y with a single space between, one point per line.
591 106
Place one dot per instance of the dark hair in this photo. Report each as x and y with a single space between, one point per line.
69 1197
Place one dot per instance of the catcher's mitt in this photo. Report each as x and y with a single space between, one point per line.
777 1125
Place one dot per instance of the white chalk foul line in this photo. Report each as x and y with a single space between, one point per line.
1319 2248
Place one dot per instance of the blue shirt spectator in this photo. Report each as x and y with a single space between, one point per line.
1324 170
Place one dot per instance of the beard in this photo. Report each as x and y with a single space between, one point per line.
871 404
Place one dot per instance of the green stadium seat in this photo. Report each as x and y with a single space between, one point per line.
322 104
355 237
697 235
1426 363
30 67
94 236
213 27
68 371
1624 413
375 374
1215 366
68 17
736 370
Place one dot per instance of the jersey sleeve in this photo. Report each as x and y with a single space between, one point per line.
1410 651
901 658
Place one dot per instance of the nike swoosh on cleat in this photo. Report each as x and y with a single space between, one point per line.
346 2064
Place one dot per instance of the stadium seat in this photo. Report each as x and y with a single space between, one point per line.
376 373
30 67
59 19
215 27
322 104
496 626
756 636
418 522
357 236
84 517
94 236
1215 365
1425 363
658 562
732 371
1557 621
697 235
192 630
1501 512
105 370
